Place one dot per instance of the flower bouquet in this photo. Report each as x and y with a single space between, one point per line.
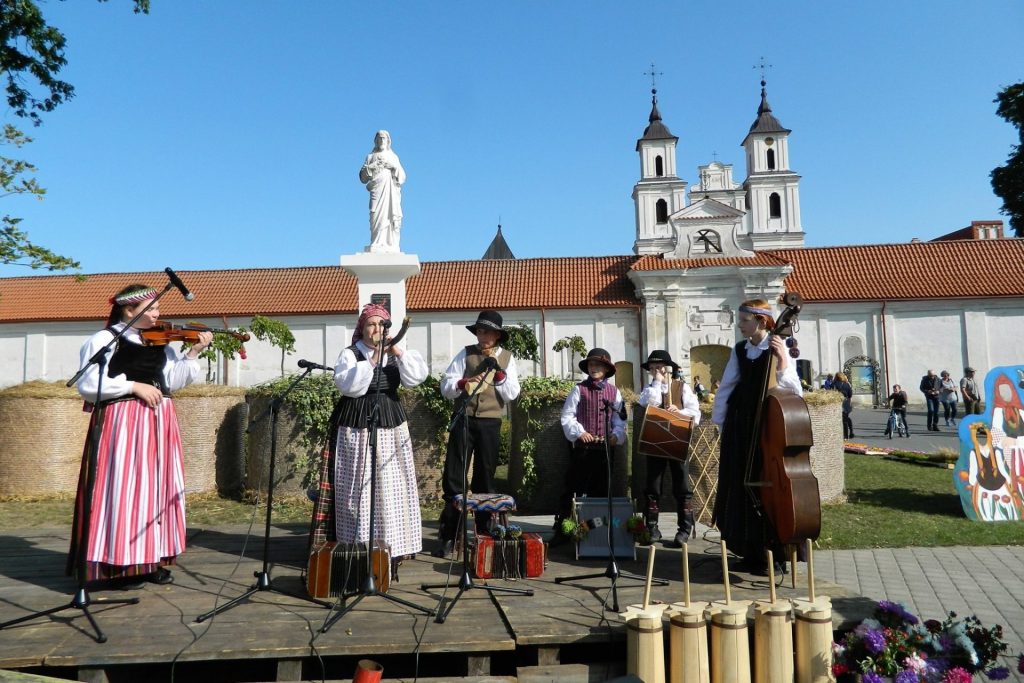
895 645
638 528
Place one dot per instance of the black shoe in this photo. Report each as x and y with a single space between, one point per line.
161 577
655 534
445 548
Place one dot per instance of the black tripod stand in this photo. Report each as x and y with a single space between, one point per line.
612 570
466 580
263 581
369 587
81 599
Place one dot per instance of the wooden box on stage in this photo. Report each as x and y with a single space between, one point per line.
513 558
339 569
593 512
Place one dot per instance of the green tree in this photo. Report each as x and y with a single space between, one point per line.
31 57
522 342
574 345
1008 180
15 247
276 332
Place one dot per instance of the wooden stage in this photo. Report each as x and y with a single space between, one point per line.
560 633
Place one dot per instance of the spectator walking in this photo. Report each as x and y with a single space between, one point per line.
842 385
969 393
930 386
829 380
948 398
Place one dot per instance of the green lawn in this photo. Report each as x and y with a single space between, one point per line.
895 504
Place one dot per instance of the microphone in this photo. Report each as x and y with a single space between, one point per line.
386 324
303 363
490 363
610 407
176 281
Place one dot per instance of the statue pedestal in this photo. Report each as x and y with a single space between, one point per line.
382 278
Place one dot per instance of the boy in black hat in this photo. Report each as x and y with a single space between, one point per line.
583 423
493 369
675 396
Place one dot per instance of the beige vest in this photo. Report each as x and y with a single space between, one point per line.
486 403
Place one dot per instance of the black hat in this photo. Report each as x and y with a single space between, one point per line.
968 370
601 356
659 356
489 320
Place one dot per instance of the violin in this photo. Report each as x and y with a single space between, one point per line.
164 333
788 489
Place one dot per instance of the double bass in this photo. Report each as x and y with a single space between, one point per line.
787 491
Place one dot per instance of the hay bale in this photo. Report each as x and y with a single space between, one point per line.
42 433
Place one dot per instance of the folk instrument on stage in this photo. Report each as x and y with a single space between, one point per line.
164 333
337 569
664 434
391 341
787 492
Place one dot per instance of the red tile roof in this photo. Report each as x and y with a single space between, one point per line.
582 282
948 269
579 282
759 259
917 270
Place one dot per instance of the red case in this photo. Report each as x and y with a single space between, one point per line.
525 557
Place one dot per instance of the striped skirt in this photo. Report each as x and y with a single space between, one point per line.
397 519
137 516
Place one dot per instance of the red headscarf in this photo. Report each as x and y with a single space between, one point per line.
369 310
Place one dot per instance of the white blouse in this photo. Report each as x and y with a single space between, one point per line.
353 377
179 371
786 380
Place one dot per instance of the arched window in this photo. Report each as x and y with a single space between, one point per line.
659 166
661 211
774 205
771 160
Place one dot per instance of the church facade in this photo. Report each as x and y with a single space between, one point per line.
884 313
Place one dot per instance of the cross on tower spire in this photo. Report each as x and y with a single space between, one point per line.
654 75
764 70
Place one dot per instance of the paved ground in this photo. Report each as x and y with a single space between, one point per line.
869 428
987 581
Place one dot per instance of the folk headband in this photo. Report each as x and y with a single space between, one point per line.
755 311
133 296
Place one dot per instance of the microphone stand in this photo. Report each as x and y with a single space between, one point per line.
369 587
81 599
612 569
466 580
263 581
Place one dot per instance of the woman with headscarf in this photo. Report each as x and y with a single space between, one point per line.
365 376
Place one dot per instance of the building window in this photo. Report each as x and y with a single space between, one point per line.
659 166
774 205
771 160
661 211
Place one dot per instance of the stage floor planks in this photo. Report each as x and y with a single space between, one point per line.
272 626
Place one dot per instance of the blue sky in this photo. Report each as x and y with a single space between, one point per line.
229 134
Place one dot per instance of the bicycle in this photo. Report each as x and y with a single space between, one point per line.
896 424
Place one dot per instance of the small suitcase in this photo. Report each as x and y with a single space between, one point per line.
339 569
513 558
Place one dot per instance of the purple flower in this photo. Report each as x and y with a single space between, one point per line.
957 675
874 641
896 610
1000 673
906 677
871 677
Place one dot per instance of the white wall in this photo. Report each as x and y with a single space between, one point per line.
50 351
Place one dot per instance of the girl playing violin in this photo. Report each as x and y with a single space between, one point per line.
137 520
736 402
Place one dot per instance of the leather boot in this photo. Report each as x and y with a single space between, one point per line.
687 528
651 519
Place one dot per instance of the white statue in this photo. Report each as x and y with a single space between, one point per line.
384 176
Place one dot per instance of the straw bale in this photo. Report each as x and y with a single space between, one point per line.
41 441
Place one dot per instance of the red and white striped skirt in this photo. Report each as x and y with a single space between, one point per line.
137 520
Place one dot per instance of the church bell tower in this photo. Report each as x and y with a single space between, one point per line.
660 192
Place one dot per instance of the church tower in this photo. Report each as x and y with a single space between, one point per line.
660 192
772 188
